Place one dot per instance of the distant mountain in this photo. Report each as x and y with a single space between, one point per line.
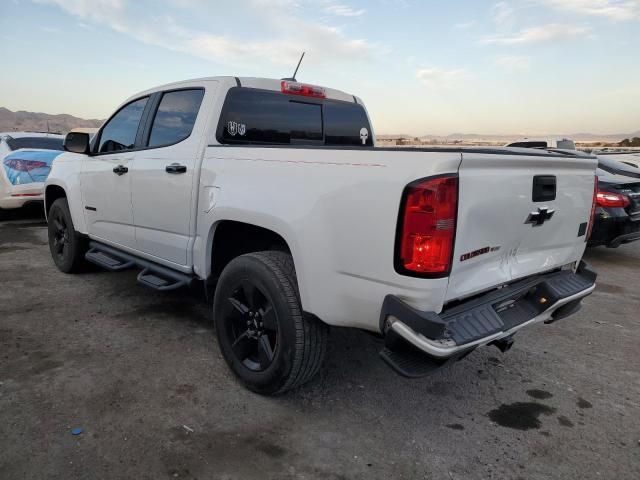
42 122
487 137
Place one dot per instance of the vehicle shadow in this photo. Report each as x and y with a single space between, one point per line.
624 256
33 211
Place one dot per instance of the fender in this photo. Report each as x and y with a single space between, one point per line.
257 219
65 173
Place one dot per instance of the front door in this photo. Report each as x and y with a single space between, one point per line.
106 177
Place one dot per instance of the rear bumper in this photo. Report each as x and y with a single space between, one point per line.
16 196
490 317
625 238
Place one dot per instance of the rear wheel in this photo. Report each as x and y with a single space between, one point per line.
265 337
66 245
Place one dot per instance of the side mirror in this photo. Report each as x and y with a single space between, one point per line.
77 142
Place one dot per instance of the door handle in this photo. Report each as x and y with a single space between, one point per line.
120 170
175 168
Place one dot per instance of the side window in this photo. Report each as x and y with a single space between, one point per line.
120 132
175 117
257 116
346 124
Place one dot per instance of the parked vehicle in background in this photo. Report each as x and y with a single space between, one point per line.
88 130
616 167
544 143
25 162
630 158
272 194
617 217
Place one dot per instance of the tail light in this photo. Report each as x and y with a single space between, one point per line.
594 201
427 227
302 89
609 199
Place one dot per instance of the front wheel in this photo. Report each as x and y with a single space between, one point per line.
264 335
66 245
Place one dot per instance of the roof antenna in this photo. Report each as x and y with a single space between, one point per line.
293 79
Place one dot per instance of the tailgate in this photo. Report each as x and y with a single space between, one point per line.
502 233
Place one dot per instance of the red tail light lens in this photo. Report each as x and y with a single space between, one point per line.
609 199
427 231
592 218
295 88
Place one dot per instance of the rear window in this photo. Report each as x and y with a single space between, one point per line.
252 116
35 142
346 124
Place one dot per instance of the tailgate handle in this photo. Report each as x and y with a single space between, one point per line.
544 188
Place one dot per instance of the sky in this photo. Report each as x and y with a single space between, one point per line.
422 67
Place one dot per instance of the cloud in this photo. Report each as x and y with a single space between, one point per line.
513 63
502 13
324 44
464 25
618 10
343 10
553 32
435 77
291 35
110 11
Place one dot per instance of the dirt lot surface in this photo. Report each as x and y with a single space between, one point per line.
141 374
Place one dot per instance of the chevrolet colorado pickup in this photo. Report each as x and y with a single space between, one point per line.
272 195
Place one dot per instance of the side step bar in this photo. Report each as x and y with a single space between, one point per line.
152 275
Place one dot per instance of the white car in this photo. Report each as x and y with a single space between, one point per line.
25 161
272 195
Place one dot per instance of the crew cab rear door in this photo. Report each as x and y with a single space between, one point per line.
518 214
166 171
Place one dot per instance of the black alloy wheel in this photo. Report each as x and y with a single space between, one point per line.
265 337
67 246
252 326
61 237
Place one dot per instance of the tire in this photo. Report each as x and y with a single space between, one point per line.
265 337
66 245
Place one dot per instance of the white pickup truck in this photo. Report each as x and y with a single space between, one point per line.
272 194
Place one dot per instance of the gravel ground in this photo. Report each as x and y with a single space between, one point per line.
141 374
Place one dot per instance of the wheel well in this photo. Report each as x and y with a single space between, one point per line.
232 239
53 193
